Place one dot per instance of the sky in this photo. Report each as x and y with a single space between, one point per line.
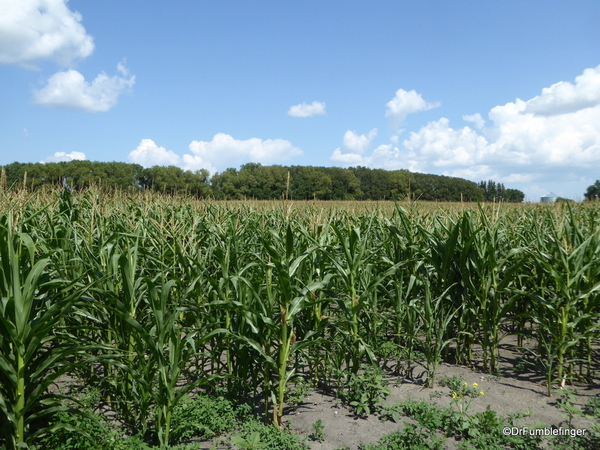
484 90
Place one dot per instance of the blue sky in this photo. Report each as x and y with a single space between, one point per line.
503 90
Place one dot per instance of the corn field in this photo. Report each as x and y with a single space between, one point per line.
150 298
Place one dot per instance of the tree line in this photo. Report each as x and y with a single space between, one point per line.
593 191
255 181
496 192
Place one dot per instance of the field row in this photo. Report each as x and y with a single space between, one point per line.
151 300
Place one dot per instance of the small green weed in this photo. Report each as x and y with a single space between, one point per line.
366 391
592 407
204 417
251 442
430 416
317 431
460 388
412 437
295 397
270 437
567 401
82 433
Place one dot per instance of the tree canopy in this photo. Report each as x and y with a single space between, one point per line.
593 191
255 181
495 192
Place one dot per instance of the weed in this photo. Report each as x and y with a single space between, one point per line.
295 397
412 437
460 388
435 394
567 401
204 417
592 407
317 431
521 366
365 391
251 442
271 437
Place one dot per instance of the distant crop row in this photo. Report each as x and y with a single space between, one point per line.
150 300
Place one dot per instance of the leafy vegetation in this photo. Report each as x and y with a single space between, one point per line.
177 312
593 191
255 181
496 192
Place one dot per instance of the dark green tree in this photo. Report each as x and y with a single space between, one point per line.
514 196
593 191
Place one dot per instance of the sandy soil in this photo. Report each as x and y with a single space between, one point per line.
506 394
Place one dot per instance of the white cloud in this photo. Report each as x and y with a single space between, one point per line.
306 110
438 145
354 145
347 159
517 178
195 162
551 138
386 156
149 154
62 156
69 90
476 119
358 143
405 103
564 97
224 151
34 30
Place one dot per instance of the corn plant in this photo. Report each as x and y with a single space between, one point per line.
169 348
290 294
355 271
35 352
566 281
436 315
490 271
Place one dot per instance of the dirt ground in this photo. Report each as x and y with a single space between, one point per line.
507 393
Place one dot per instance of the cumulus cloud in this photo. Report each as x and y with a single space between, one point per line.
195 162
358 143
553 137
347 159
64 157
517 144
148 154
34 30
354 145
438 145
564 97
405 103
475 119
385 156
306 110
70 90
224 151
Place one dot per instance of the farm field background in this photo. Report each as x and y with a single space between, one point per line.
158 309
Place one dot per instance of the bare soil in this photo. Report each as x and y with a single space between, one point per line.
517 388
507 393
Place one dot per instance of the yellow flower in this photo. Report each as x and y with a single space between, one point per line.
475 385
481 393
465 384
454 395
